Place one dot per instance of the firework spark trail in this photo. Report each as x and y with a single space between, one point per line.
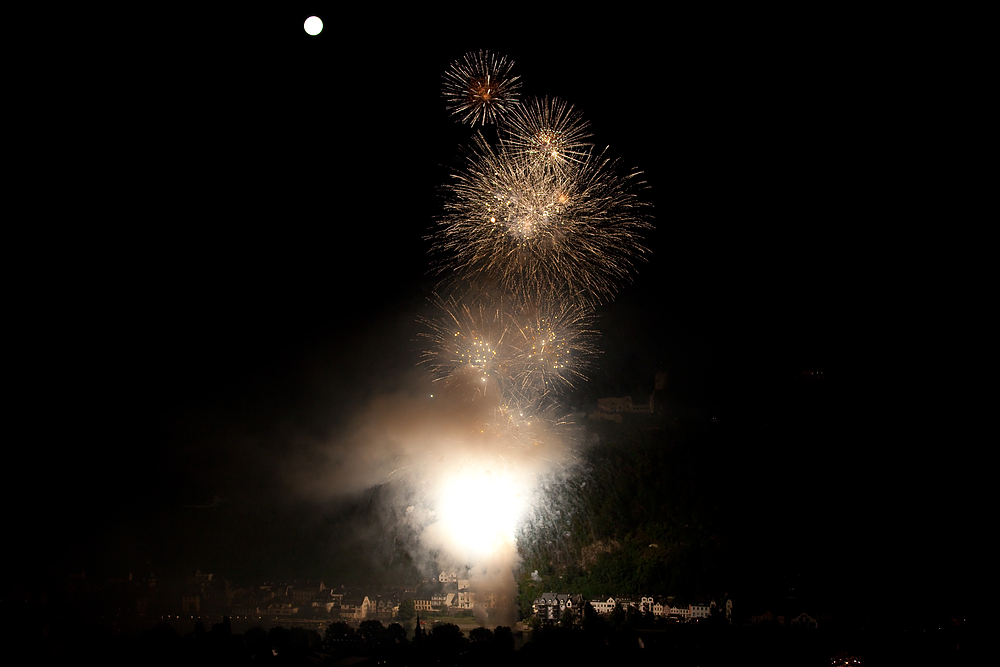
479 88
571 234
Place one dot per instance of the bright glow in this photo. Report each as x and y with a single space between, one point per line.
313 25
480 511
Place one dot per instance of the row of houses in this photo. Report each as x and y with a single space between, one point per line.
298 598
205 594
551 606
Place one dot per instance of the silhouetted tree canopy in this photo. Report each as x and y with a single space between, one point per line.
447 637
407 610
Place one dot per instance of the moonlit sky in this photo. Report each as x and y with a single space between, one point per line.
259 263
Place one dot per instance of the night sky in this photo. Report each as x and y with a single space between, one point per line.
249 258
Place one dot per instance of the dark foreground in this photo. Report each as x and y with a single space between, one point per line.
373 643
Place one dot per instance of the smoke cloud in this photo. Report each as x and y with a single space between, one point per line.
451 489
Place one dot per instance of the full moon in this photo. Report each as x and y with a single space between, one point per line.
313 25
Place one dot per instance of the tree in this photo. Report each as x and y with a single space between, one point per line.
633 617
480 635
595 625
617 617
407 610
302 642
503 639
373 633
338 635
447 637
396 633
281 641
256 640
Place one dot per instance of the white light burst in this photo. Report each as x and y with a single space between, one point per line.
480 510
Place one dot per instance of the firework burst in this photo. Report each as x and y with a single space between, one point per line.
553 346
467 353
549 134
511 357
479 88
541 234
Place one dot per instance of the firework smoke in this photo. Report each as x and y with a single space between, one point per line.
454 479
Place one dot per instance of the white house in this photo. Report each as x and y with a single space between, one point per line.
603 606
550 606
803 620
683 612
358 608
701 610
439 599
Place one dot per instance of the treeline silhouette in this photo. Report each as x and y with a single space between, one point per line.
371 642
592 639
